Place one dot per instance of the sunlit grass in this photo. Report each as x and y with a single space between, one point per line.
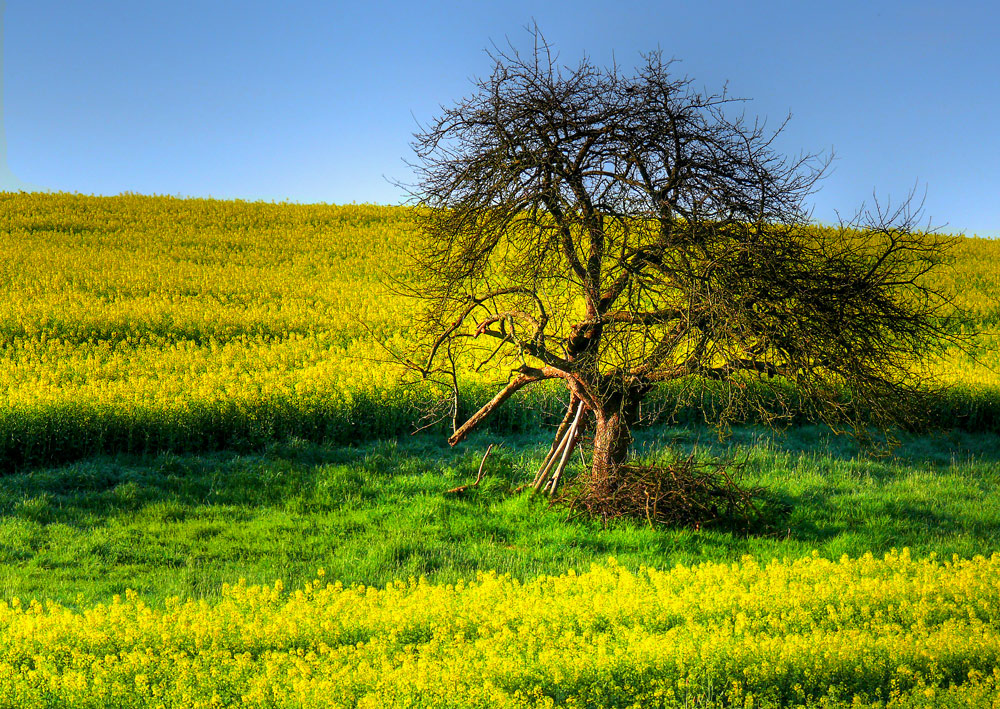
184 524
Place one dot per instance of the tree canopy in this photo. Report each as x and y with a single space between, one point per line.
617 231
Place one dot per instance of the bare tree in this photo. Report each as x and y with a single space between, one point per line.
617 232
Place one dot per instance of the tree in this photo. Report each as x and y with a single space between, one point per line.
621 232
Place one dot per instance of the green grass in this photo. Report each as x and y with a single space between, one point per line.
184 524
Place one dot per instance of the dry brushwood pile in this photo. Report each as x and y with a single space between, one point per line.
684 493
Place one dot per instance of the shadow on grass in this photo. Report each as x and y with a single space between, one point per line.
182 524
72 430
302 475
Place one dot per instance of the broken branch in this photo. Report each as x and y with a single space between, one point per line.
479 475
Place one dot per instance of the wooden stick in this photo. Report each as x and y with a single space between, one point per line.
479 475
543 474
556 443
557 473
570 445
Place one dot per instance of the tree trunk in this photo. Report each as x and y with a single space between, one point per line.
612 440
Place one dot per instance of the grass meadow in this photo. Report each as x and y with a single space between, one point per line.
210 497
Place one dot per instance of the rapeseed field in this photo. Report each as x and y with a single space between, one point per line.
810 632
138 324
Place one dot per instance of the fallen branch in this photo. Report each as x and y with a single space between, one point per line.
487 409
479 476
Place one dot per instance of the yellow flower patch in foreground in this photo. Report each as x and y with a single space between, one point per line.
892 631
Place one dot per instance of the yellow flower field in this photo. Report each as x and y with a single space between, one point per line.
136 323
811 632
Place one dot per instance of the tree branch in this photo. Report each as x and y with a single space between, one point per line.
502 396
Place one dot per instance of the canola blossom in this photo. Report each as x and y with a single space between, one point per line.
810 632
133 324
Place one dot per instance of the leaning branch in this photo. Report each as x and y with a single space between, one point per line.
502 396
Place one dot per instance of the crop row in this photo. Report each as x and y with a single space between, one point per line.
811 632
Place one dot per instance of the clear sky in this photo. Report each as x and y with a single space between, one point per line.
313 101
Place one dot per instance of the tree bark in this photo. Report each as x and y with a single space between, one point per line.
612 440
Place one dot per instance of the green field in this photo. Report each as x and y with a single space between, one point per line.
185 524
190 399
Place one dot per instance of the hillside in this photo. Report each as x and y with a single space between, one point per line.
136 323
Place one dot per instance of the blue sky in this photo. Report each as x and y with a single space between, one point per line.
317 101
